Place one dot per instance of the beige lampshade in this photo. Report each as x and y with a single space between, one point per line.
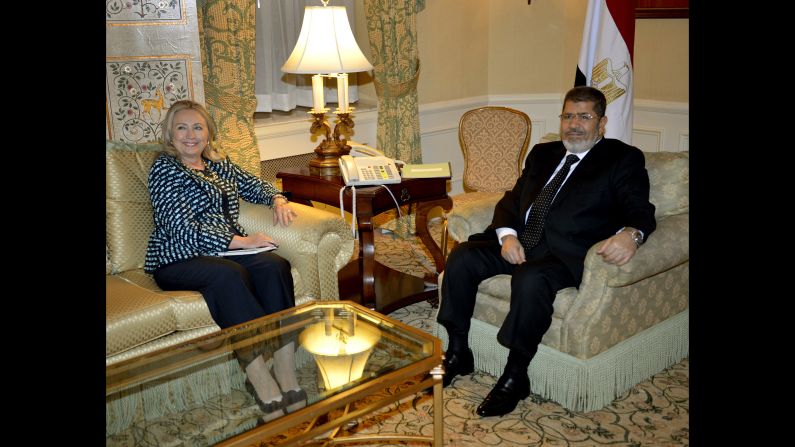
326 44
340 359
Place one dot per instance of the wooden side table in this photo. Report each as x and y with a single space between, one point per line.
364 280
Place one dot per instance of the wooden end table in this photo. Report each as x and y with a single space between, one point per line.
364 280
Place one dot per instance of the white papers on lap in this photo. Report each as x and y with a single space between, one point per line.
246 251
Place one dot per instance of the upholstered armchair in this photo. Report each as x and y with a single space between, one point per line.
494 142
140 317
620 326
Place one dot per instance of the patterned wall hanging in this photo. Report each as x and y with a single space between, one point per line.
121 12
140 91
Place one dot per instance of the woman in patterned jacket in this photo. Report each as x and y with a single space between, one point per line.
194 191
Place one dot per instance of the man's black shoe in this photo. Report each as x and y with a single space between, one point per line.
457 364
511 387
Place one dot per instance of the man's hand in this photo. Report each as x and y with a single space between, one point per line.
282 213
618 249
512 250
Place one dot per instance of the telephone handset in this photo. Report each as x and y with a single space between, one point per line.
368 166
363 150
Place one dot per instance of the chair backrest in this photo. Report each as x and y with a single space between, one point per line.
128 209
494 141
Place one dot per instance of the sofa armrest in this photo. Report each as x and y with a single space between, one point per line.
317 243
471 216
614 303
665 249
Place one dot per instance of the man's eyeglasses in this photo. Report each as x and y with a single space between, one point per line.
579 116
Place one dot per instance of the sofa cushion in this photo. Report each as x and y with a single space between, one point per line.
669 176
190 309
494 300
134 315
128 210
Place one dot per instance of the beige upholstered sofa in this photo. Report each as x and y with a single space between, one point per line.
140 317
621 326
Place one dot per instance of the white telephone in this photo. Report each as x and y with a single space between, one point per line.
367 166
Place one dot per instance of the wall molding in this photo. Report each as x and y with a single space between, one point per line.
454 105
653 137
648 105
539 128
532 99
440 131
684 140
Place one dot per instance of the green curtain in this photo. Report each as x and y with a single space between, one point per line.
392 31
227 36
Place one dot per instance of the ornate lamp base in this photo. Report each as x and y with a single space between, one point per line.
332 147
327 155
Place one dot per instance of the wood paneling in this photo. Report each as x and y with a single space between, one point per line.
662 9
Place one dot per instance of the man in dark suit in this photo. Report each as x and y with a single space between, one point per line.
572 194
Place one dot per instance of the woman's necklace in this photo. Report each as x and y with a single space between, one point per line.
207 173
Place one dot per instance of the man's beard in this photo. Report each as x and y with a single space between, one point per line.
579 147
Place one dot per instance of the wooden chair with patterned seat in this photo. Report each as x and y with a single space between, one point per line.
494 141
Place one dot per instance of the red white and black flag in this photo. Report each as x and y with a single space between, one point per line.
606 60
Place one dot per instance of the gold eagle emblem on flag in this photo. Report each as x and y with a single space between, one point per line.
609 80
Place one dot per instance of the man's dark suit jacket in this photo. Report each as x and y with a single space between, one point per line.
609 189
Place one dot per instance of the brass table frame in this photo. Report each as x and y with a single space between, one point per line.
314 414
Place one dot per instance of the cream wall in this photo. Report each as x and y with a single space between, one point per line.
530 46
470 48
454 55
662 58
453 62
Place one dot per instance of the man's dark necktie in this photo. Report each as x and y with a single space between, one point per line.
531 233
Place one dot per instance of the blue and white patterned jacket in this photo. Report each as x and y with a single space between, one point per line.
188 210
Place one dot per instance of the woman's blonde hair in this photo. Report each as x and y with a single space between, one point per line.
209 151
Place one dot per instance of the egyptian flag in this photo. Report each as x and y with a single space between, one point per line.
606 60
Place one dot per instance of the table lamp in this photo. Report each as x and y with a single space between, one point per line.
326 48
341 347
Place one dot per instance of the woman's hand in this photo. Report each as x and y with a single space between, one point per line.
282 213
255 240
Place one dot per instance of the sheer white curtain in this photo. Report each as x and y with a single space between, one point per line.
278 26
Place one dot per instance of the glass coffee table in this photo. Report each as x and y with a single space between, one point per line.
346 356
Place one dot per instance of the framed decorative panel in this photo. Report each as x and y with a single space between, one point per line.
144 12
684 141
647 139
139 92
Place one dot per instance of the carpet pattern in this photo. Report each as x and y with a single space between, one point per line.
653 413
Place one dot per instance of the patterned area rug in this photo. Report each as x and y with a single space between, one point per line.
653 413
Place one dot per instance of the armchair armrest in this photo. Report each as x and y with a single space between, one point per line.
318 244
471 216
